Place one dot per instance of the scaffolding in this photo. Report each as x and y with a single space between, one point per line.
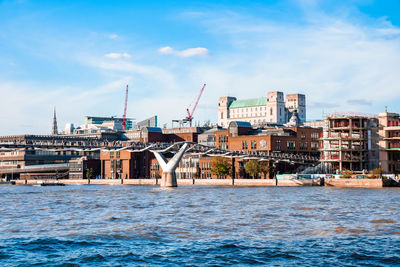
350 142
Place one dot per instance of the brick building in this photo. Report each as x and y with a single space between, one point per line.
155 134
125 164
297 140
389 142
79 168
240 136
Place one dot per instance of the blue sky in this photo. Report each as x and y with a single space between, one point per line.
79 55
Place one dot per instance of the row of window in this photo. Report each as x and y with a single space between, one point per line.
236 110
241 111
8 163
206 175
223 146
117 166
117 154
206 166
11 153
187 164
314 135
154 167
222 138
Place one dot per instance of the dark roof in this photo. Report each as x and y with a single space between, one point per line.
241 124
153 129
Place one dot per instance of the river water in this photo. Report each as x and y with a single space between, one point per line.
198 225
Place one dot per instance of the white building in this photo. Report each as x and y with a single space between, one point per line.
296 102
261 111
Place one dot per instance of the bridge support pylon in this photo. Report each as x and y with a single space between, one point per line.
168 178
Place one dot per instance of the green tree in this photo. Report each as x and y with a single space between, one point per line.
252 167
89 174
264 168
220 167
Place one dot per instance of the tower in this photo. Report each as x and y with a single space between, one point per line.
296 102
223 110
275 107
54 130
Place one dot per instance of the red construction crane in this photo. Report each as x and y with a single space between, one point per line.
189 118
126 104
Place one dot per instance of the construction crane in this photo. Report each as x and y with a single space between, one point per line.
189 117
126 104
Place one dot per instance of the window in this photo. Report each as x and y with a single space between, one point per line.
291 144
244 145
270 111
278 145
111 154
253 144
314 135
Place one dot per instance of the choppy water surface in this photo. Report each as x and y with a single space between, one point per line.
133 225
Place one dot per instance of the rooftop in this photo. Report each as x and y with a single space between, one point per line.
249 103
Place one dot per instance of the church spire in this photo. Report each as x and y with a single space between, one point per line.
54 130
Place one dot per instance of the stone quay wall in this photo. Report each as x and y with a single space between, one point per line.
362 183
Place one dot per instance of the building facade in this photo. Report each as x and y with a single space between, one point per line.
389 142
261 111
296 102
350 142
125 164
84 168
240 136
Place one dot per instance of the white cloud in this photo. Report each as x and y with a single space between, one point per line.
73 103
118 55
333 61
190 52
113 36
166 50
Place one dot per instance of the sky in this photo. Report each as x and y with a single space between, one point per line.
78 56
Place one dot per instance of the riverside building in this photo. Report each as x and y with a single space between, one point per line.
350 142
274 108
389 142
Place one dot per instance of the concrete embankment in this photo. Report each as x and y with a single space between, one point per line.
362 183
366 183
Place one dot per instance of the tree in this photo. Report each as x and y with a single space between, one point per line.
220 167
89 174
252 167
264 168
